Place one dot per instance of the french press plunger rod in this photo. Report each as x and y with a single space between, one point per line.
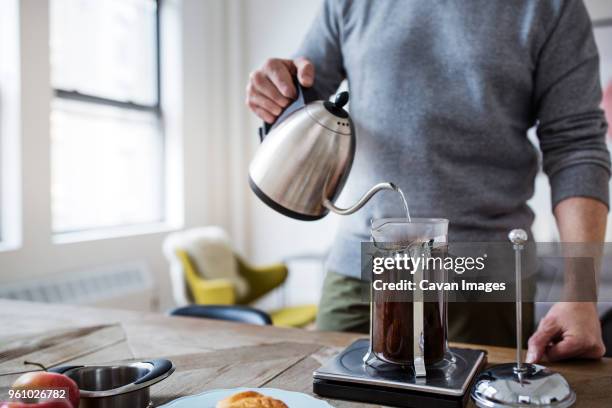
521 385
518 237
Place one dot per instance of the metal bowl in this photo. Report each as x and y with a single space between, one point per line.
117 386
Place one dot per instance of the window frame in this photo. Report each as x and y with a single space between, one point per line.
156 109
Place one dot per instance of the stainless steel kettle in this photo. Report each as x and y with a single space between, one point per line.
305 158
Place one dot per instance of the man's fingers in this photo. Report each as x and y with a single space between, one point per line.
305 71
585 346
261 84
569 347
260 100
547 330
262 113
278 71
271 88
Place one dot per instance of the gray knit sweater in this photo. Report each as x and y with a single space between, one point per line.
442 94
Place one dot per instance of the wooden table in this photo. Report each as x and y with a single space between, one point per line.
208 354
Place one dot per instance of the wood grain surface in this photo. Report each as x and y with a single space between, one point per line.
208 354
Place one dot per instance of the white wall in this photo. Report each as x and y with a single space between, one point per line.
275 29
10 182
599 9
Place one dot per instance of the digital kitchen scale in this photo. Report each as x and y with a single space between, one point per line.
446 385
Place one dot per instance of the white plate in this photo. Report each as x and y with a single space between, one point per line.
209 399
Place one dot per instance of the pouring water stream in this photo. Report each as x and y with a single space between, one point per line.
406 209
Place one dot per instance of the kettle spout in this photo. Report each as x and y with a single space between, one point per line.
362 201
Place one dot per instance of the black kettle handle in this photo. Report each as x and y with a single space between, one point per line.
304 96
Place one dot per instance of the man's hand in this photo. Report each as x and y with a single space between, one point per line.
569 329
572 329
270 88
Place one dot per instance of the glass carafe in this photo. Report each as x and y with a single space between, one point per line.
410 328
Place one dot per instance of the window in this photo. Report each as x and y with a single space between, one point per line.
107 144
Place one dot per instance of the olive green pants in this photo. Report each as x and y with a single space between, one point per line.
342 308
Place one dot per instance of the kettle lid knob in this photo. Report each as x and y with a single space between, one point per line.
335 107
341 99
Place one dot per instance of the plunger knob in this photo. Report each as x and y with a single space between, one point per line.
518 236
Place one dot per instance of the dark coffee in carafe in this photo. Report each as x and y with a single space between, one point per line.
392 334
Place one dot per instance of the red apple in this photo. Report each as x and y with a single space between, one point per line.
43 380
63 403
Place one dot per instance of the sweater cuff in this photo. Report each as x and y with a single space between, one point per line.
581 180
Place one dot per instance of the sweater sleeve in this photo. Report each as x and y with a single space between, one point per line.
567 93
322 46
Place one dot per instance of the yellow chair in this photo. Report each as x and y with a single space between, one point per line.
261 280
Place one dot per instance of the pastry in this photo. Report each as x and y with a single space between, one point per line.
250 399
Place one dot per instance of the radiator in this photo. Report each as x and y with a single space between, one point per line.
126 286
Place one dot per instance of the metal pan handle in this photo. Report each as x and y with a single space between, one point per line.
160 368
63 369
